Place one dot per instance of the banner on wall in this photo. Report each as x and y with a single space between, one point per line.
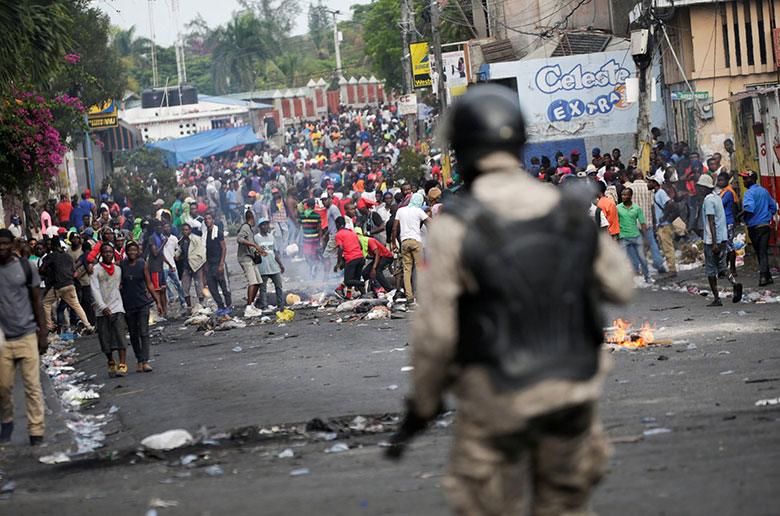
573 96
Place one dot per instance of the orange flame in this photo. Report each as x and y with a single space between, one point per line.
623 336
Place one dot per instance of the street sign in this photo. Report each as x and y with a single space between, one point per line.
687 95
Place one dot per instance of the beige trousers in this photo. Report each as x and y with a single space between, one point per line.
666 236
67 294
411 254
23 351
549 469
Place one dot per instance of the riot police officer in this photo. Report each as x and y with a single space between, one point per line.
509 320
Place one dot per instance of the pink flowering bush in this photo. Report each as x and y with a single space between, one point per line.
31 149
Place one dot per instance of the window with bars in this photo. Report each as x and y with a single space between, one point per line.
739 19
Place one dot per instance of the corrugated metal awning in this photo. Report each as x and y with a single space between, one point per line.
124 136
751 93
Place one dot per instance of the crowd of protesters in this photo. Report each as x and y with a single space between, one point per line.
331 197
652 211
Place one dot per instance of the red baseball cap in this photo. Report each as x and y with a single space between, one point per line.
749 173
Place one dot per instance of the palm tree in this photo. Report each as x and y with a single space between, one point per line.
240 47
127 45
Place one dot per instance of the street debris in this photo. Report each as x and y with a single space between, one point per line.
168 440
299 472
406 369
238 349
378 312
286 453
157 503
214 471
656 431
337 448
391 387
285 315
293 299
188 459
770 402
56 458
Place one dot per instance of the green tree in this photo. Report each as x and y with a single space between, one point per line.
99 74
383 41
34 35
409 165
320 25
240 48
136 169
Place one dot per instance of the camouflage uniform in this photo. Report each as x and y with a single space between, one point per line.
545 435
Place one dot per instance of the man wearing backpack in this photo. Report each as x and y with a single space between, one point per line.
517 337
24 326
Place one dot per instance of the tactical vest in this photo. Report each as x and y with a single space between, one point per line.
534 315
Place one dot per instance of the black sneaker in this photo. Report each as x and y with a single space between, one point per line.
36 440
6 429
716 302
737 297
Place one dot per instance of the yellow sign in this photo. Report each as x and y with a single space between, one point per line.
102 116
421 65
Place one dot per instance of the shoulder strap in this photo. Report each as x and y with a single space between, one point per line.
27 271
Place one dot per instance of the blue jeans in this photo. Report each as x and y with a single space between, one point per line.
635 249
655 251
172 280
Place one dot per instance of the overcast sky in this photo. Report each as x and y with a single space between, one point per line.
126 13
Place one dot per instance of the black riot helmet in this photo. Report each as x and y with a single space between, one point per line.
486 119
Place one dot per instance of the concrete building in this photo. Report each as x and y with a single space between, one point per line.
723 48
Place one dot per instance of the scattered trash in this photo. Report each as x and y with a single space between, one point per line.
391 387
691 346
656 431
359 423
286 454
337 448
299 472
196 320
214 471
238 349
284 316
77 396
741 313
378 312
151 512
443 423
251 363
770 402
168 440
8 487
724 373
647 420
265 319
188 459
406 369
113 410
662 357
157 503
56 458
293 299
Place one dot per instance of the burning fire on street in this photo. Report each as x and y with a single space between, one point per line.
622 334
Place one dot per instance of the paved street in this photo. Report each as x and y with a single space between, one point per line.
719 455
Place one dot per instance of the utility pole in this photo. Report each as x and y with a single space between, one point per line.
154 52
336 41
642 52
435 26
406 66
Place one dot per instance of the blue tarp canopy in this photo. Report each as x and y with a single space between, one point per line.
206 143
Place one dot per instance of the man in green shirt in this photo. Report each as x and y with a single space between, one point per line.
633 232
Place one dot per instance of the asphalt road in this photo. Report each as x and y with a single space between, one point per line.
719 455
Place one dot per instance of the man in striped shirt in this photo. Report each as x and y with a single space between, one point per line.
644 197
311 230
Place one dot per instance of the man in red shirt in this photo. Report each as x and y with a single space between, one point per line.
64 207
381 259
350 258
